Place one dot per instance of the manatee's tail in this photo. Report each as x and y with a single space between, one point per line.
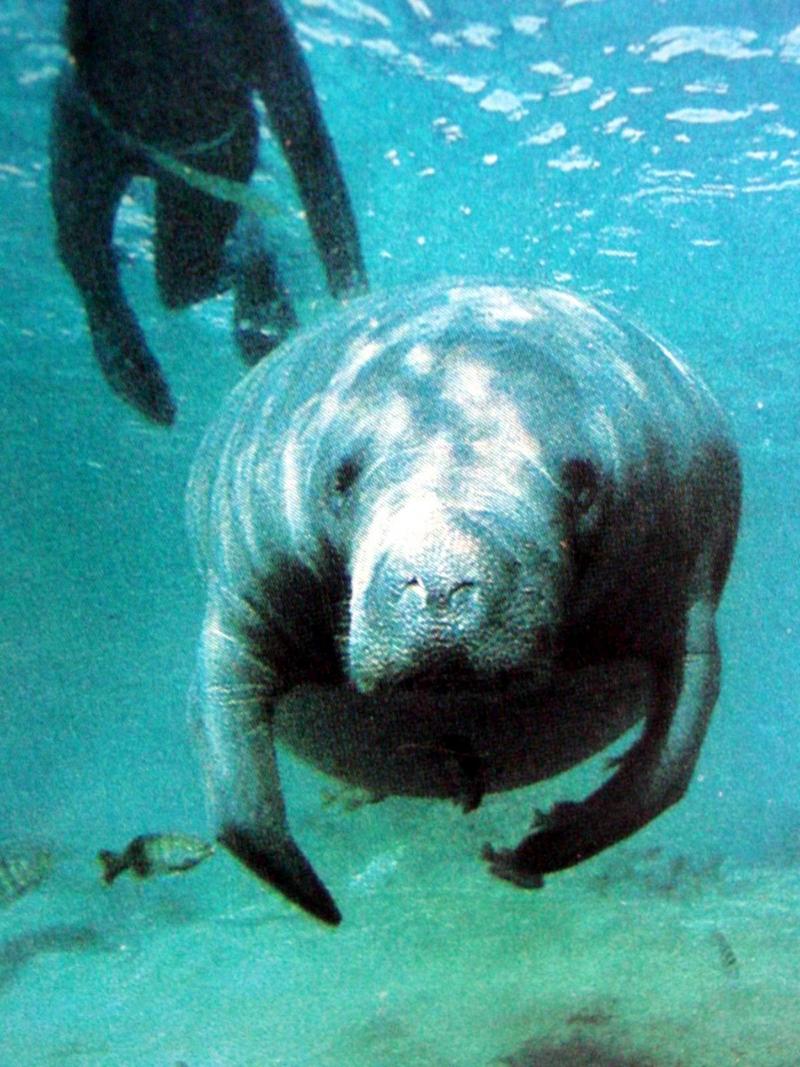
113 864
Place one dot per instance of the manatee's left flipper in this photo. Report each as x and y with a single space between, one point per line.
283 865
233 694
653 775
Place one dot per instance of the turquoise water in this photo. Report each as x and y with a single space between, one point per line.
645 153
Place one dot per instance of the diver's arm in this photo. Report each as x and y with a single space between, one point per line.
281 75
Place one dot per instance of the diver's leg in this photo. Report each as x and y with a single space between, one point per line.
89 172
191 230
263 313
206 244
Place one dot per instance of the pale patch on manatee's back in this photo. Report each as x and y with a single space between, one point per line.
420 358
497 306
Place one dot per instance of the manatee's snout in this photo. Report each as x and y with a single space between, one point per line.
438 597
449 594
427 612
435 603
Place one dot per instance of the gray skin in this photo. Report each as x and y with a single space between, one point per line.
456 540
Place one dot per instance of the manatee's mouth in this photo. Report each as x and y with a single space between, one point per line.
450 669
462 678
440 678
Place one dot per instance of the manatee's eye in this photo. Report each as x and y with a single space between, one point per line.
582 481
344 478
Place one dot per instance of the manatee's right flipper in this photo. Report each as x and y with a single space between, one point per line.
89 172
233 692
651 776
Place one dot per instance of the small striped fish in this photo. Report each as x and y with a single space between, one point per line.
151 854
22 868
727 957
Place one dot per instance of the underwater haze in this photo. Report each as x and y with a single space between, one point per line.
644 153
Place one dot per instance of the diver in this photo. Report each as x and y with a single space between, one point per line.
164 89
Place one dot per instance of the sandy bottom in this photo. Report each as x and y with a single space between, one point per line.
647 956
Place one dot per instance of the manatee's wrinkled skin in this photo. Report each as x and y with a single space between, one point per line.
456 540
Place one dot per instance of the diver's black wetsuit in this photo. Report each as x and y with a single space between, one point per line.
177 77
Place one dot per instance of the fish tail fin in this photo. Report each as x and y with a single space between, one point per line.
112 863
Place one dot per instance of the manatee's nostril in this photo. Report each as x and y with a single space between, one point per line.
412 592
440 594
462 594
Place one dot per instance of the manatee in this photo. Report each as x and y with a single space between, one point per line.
455 540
